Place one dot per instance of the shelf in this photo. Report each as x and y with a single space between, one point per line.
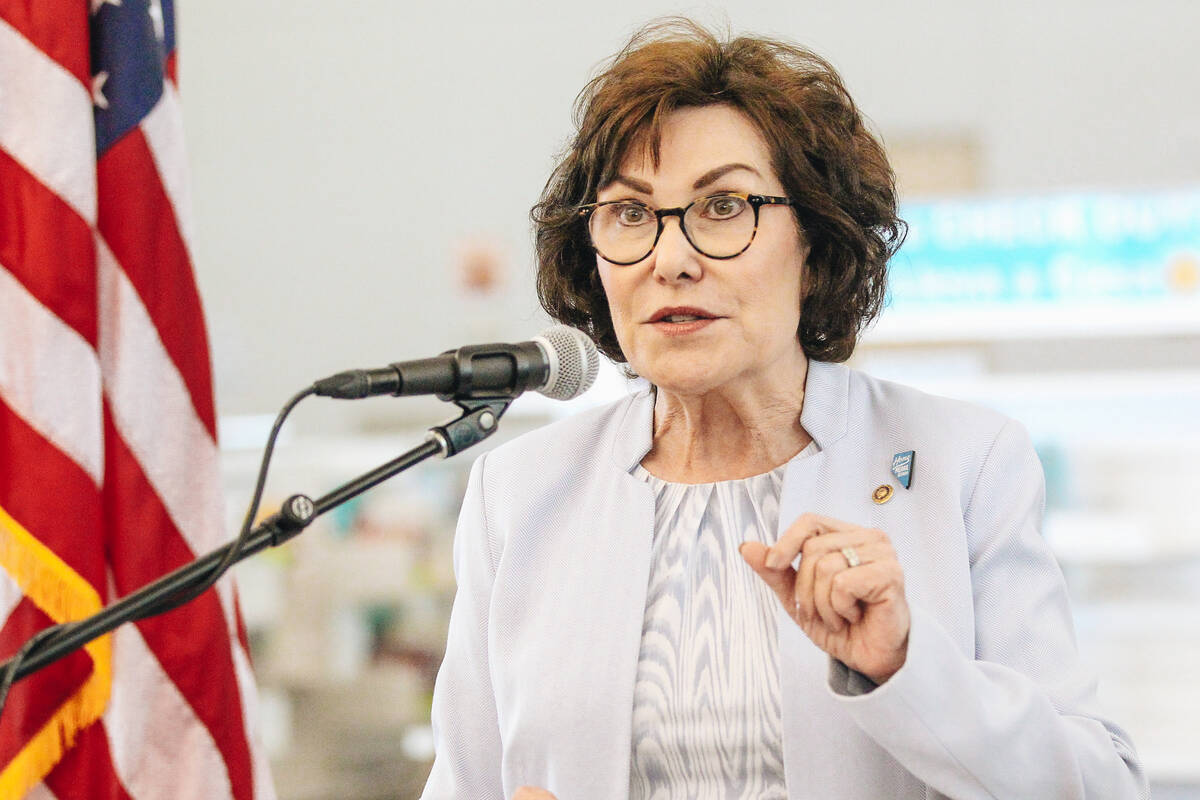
1176 317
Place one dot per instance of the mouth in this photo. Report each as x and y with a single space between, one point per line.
681 315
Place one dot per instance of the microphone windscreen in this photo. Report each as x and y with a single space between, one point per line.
574 362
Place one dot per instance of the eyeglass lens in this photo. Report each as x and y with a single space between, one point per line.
719 227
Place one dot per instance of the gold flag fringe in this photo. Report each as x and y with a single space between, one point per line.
64 596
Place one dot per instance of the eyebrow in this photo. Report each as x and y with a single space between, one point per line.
711 176
719 172
635 184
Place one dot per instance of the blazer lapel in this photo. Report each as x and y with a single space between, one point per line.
834 482
581 635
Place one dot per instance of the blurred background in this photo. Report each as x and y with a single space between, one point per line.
362 174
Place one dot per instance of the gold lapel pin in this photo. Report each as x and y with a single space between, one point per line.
882 494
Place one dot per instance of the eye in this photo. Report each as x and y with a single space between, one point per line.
630 213
722 206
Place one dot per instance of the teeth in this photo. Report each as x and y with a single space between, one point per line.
681 318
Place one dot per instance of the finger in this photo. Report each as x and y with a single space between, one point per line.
843 598
532 793
806 526
827 566
780 580
851 585
815 549
873 583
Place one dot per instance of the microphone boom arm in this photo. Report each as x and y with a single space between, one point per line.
478 421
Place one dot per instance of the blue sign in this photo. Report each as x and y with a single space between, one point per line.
1069 249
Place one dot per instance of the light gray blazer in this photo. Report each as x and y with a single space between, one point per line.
552 558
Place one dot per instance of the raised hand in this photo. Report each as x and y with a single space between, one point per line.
855 612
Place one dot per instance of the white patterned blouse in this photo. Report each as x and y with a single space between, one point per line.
707 712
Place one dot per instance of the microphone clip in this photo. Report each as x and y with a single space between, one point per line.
479 420
483 371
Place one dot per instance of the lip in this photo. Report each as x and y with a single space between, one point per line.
693 311
659 323
682 328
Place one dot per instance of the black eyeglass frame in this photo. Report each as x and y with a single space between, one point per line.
756 202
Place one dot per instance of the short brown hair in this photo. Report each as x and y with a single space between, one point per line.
828 162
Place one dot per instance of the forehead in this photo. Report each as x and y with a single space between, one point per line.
695 140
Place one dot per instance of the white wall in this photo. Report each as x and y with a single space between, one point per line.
341 151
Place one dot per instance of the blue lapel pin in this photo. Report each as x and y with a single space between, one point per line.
902 466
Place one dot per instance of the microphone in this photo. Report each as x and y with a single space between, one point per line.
560 363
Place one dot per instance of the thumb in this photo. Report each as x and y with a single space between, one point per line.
782 581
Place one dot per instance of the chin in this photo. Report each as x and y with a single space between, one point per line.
697 381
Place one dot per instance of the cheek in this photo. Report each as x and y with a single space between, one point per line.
789 282
777 295
777 309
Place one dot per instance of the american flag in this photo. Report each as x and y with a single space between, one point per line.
108 456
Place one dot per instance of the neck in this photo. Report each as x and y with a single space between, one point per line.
736 430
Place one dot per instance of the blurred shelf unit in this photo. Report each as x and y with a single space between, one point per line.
1079 316
950 325
347 622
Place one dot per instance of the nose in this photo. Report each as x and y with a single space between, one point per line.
674 257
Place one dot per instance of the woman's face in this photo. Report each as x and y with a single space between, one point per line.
748 306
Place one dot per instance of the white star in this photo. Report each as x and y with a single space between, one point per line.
98 4
156 17
98 97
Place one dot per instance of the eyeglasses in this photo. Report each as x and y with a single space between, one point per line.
720 226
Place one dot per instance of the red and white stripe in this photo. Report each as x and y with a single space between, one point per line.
105 378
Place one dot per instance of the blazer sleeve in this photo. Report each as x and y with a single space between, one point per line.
465 728
1018 720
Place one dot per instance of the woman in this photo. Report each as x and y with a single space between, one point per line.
768 576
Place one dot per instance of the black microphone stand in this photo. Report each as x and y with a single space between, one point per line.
478 421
